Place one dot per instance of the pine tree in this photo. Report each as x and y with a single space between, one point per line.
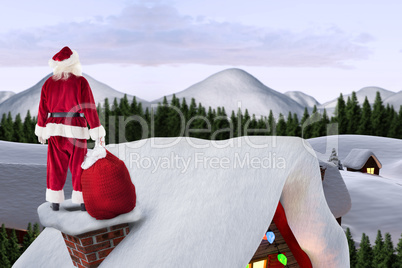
4 262
36 230
13 249
271 124
201 124
240 120
378 254
396 125
4 245
352 249
19 135
281 126
28 238
28 129
174 123
378 116
233 123
2 124
353 114
398 257
316 121
290 128
340 115
124 106
105 116
333 158
296 125
364 254
7 127
184 109
306 128
365 124
161 119
388 251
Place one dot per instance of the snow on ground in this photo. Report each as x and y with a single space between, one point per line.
376 200
23 182
208 205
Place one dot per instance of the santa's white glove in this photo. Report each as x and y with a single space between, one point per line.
42 140
100 142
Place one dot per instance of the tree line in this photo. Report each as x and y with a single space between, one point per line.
381 255
125 121
10 249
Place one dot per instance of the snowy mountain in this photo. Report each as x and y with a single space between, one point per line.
233 87
302 98
29 99
394 100
4 95
370 92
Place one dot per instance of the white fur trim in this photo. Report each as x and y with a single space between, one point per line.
54 196
53 129
39 131
92 156
97 132
74 58
76 197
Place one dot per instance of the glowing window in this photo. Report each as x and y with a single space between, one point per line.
260 264
370 170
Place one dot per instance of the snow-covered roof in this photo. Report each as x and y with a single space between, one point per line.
336 193
357 158
71 220
209 203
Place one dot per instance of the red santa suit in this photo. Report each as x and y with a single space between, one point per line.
67 91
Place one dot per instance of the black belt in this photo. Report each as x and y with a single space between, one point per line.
66 115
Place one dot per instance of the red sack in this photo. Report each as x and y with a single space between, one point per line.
107 188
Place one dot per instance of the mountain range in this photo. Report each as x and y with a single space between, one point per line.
231 88
29 99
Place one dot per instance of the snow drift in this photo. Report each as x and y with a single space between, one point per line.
208 204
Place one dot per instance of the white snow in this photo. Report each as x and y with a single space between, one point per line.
303 99
208 204
370 92
376 200
4 95
335 190
230 87
358 157
394 100
71 220
29 99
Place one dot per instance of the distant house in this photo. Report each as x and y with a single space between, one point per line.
362 160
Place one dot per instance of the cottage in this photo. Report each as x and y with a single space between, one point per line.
339 202
362 160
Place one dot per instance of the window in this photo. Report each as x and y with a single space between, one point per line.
370 170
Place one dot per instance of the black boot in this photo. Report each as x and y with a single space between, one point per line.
83 207
55 206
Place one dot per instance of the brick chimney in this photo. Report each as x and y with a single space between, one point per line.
91 248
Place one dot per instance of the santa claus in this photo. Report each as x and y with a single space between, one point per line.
66 107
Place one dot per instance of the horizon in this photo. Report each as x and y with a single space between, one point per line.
156 48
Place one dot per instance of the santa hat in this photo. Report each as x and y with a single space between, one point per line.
64 59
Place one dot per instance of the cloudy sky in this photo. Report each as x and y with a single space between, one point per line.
154 48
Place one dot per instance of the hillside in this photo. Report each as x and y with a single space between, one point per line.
29 99
302 98
232 88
